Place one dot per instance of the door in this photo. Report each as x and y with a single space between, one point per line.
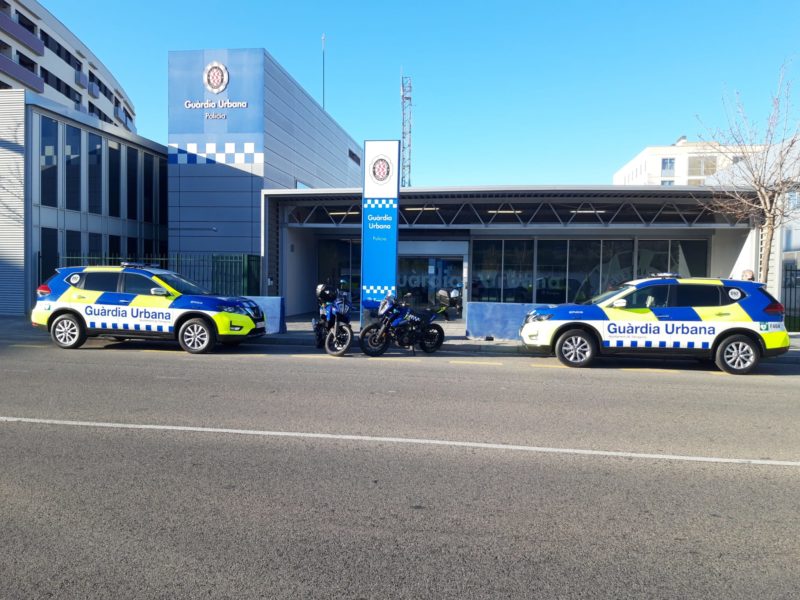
422 277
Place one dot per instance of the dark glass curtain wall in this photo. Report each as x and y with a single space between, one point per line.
557 271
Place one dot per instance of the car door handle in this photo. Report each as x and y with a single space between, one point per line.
80 297
723 314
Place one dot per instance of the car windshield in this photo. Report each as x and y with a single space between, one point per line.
181 285
607 294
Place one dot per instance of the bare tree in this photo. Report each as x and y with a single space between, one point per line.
764 167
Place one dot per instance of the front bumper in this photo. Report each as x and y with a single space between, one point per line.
538 334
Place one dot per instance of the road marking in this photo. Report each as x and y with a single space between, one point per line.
394 358
536 366
323 356
28 345
410 441
476 362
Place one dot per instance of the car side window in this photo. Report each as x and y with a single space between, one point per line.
137 284
731 295
100 281
654 296
696 295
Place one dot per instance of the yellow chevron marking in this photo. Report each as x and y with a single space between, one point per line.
630 314
145 301
701 281
106 269
730 313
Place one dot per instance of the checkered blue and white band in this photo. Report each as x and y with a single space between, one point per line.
228 153
380 203
378 290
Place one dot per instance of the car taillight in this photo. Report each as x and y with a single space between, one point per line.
774 308
43 290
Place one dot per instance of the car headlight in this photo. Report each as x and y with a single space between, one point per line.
536 317
232 309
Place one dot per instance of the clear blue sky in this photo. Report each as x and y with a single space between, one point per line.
504 93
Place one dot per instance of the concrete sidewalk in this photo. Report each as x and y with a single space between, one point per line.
299 333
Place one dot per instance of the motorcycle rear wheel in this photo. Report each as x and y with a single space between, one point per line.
339 339
370 343
432 338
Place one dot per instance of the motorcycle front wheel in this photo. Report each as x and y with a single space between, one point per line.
339 340
432 338
371 343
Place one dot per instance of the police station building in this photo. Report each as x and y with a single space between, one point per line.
255 166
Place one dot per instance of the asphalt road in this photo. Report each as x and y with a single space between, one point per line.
303 476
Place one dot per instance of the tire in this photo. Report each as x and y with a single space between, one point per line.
68 332
338 340
432 338
738 355
576 348
196 336
369 342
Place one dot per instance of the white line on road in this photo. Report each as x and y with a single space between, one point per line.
413 441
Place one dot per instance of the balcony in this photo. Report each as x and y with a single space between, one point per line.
22 35
21 74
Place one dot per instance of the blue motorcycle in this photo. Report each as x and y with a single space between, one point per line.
332 330
405 326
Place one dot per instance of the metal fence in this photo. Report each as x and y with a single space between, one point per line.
222 274
790 297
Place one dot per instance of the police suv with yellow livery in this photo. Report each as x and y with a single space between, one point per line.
135 301
735 323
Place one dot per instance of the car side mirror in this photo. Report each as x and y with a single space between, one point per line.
621 303
158 291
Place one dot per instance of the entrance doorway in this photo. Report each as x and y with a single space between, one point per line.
422 277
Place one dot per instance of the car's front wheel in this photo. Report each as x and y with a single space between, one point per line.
737 355
196 336
576 348
68 332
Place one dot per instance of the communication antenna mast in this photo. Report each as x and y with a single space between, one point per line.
405 144
323 71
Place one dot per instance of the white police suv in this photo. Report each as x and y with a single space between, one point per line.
735 323
135 301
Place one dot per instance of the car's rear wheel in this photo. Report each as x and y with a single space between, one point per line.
576 348
68 332
196 336
738 355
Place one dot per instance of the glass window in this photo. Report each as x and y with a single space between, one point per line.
518 271
696 295
412 278
114 246
668 166
487 265
584 270
617 263
163 204
73 244
653 257
667 182
101 281
48 162
133 247
702 165
551 274
654 296
95 244
48 258
137 284
95 174
729 295
114 183
72 159
689 258
147 189
133 183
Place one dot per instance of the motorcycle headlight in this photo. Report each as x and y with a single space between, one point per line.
536 317
239 310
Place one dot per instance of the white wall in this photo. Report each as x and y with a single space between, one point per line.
732 252
299 271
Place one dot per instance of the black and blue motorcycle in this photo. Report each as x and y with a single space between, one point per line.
398 322
332 330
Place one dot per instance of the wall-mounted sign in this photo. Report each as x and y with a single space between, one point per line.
379 221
